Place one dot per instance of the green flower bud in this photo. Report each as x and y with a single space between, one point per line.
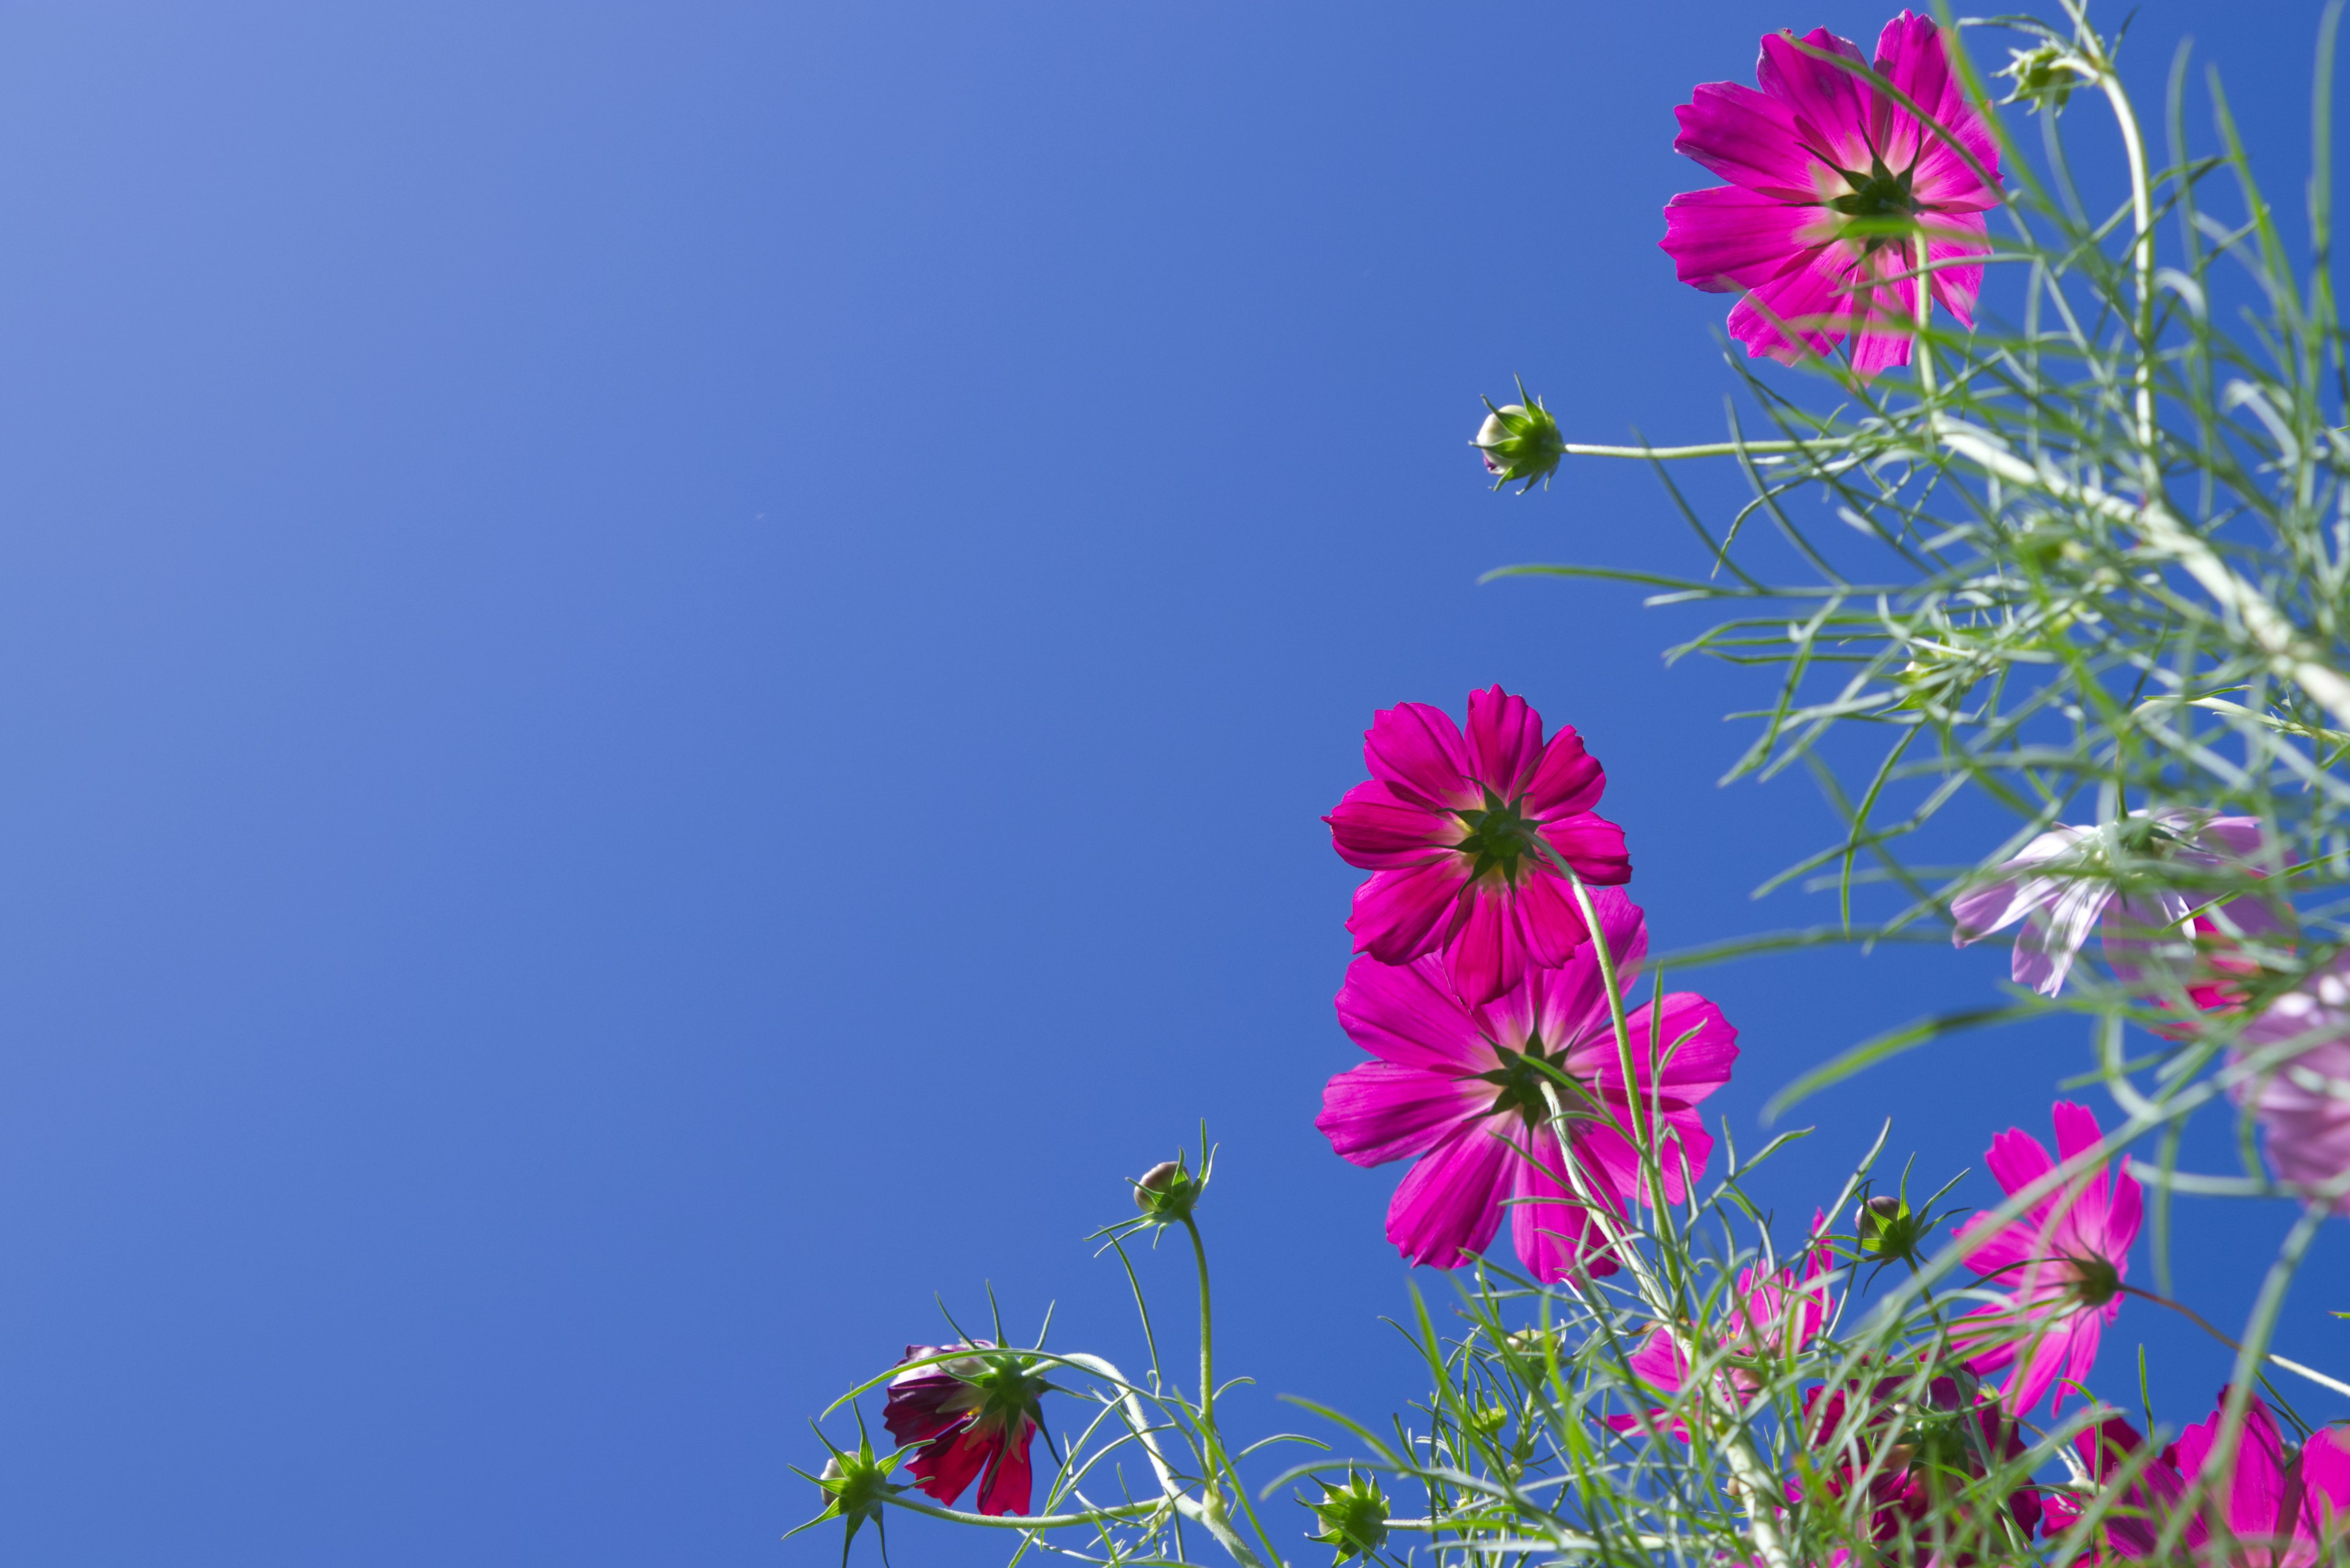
856 1485
2044 77
1353 1517
1520 442
1887 1229
1167 1191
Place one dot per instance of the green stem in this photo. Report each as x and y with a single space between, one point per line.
1207 1331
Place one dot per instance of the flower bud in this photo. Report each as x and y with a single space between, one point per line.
1520 442
855 1485
1353 1517
1887 1229
2044 77
1165 1192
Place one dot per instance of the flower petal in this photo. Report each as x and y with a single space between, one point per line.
1750 139
1449 1204
1374 828
1377 1112
1410 1015
1397 913
1549 1223
1504 742
1417 751
1829 105
1724 238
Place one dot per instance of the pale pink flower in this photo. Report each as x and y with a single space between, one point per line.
1453 826
2061 1264
1832 180
1466 1089
1773 1311
2062 887
2302 1100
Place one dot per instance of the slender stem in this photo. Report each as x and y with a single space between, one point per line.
2141 256
1704 448
1026 1520
1207 1330
2199 1321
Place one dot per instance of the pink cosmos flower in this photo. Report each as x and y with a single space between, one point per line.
2303 1101
1450 824
974 1417
2273 1507
1465 1089
2132 1521
2279 1507
2062 886
1773 1312
2062 1264
1832 181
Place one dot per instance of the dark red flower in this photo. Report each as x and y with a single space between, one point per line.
974 1417
1911 1454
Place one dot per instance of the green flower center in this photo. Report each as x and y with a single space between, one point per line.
1880 208
1499 838
1520 1081
2096 1281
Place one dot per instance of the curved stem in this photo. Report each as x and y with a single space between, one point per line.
1207 1330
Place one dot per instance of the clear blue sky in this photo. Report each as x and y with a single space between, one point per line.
666 674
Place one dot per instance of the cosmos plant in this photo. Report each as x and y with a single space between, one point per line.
2042 504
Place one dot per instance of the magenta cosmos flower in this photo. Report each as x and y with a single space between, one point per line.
1832 181
1461 1087
973 1418
1773 1312
2273 1507
2062 887
1452 825
2061 1264
2301 1098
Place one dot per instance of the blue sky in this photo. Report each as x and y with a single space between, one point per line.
667 673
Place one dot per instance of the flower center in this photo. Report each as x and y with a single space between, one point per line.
1879 208
2096 1281
1499 837
1520 1081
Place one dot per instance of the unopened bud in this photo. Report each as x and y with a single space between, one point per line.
1353 1517
1887 1229
1167 1191
1520 442
2044 77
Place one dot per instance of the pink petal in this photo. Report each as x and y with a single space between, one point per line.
1408 1014
1377 1112
1449 1204
2325 1473
2045 952
1659 1363
1829 107
1593 845
1910 54
1505 743
1807 303
1694 1041
1416 749
1547 921
2017 1160
1482 951
1724 238
1375 830
1549 1224
1397 913
1750 139
1958 286
1567 779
